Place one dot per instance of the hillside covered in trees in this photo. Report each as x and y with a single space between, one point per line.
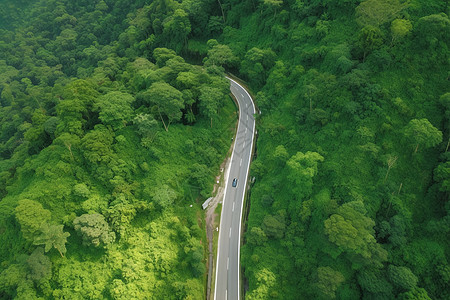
109 141
115 117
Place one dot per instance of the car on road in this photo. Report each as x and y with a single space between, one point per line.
234 184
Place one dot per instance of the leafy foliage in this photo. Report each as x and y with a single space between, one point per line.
94 229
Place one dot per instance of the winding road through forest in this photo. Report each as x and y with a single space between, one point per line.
228 251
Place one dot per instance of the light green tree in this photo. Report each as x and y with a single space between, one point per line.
378 12
167 100
176 28
273 5
422 132
147 128
328 281
115 109
31 216
302 167
353 232
52 236
399 29
256 236
210 98
220 55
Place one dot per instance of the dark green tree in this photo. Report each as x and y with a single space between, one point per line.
39 265
402 277
94 230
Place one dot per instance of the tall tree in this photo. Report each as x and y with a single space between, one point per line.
302 168
52 236
94 229
167 100
422 132
31 216
210 100
39 265
115 109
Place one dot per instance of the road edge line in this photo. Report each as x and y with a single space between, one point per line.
223 201
245 183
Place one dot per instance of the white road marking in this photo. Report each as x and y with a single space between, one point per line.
242 95
245 129
229 235
228 262
216 290
232 209
243 192
244 145
246 105
240 164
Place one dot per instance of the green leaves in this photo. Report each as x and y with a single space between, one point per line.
378 12
402 277
400 28
39 265
302 168
94 230
210 101
52 236
31 217
353 232
328 281
167 100
115 109
422 132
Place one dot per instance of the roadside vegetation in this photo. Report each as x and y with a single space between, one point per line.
115 117
351 198
109 143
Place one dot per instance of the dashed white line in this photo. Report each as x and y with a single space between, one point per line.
232 209
245 129
228 262
244 145
229 235
247 117
240 164
242 95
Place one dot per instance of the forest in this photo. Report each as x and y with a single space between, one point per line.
115 117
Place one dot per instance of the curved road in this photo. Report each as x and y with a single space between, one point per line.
228 253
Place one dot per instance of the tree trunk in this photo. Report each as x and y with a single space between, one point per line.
387 173
69 146
448 144
165 127
417 148
221 9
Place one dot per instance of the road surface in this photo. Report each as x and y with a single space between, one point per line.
228 253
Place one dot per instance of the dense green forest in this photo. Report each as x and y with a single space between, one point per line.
351 198
109 142
115 117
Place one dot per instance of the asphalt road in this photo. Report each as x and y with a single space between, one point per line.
228 254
